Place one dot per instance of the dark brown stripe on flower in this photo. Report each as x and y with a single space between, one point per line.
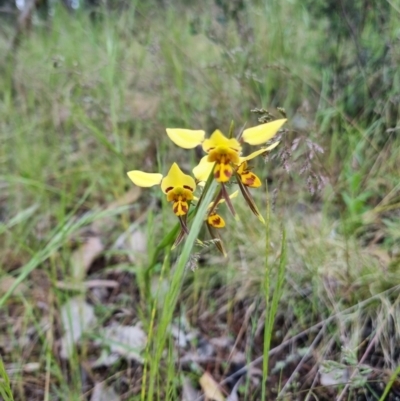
216 221
168 189
250 180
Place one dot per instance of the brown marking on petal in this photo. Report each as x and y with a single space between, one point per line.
217 174
168 189
187 187
250 180
184 207
216 221
225 173
180 208
228 173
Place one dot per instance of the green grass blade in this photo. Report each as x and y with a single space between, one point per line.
271 306
390 384
172 295
5 387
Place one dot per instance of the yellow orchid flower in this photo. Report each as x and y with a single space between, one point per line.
178 187
245 177
223 153
204 168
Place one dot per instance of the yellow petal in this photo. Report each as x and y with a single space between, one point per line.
215 220
223 172
176 178
218 139
180 208
259 152
203 170
142 179
186 138
250 180
262 133
179 194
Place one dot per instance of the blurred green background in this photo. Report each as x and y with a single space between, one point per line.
86 92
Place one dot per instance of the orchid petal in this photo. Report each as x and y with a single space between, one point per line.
223 172
216 221
262 133
186 138
218 139
203 170
258 152
142 179
250 180
176 178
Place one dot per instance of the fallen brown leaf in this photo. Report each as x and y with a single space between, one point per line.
210 388
83 257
